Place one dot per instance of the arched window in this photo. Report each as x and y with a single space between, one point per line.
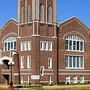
74 43
41 13
29 12
50 14
10 43
23 14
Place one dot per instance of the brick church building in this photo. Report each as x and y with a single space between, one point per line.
36 49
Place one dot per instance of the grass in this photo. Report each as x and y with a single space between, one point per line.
32 88
68 87
3 89
61 87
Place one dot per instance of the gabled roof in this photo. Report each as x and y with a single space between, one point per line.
9 22
61 24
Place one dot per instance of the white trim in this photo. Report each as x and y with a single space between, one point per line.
33 9
41 45
12 34
22 79
15 74
67 79
22 61
74 73
6 58
50 62
70 60
48 73
81 81
28 79
79 70
75 79
46 12
25 73
75 33
47 70
50 79
50 46
28 61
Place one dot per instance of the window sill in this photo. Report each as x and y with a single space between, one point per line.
75 68
74 51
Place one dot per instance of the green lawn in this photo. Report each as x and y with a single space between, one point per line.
3 89
58 88
64 87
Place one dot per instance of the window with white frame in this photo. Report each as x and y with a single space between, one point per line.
28 79
22 79
50 46
22 46
74 43
42 70
50 63
25 45
29 12
10 43
74 62
50 14
81 79
29 45
46 45
28 61
22 61
67 80
41 45
23 14
75 79
42 13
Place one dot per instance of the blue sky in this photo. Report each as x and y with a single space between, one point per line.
66 9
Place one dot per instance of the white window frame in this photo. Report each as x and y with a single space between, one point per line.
28 79
74 79
23 14
25 46
28 61
50 14
22 79
50 63
50 46
29 12
46 45
69 62
22 61
41 13
29 45
67 79
22 46
74 38
11 40
42 70
81 79
50 79
41 45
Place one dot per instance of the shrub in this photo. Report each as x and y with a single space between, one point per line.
61 83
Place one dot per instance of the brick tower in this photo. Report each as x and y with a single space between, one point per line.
37 23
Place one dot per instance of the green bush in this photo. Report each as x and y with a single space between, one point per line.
61 83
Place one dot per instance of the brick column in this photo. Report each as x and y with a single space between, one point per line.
35 68
16 69
55 66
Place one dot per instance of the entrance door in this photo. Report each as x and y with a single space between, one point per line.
6 79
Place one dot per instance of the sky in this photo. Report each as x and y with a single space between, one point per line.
65 9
